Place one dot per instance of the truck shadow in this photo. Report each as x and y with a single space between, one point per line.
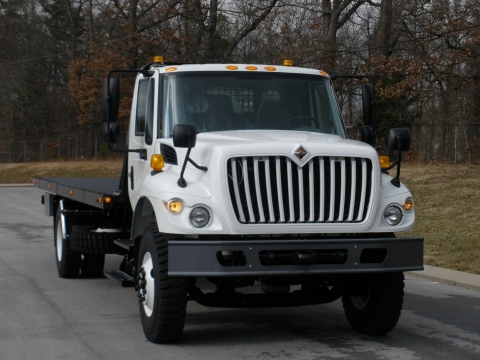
247 326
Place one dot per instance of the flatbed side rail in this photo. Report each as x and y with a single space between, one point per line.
99 193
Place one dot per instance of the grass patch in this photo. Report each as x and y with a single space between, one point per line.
21 173
447 199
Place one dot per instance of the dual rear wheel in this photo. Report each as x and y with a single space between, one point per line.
80 252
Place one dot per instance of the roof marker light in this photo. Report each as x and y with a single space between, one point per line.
232 67
251 68
270 68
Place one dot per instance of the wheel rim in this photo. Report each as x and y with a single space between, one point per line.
360 301
149 287
59 241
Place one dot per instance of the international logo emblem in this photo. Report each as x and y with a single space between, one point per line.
300 153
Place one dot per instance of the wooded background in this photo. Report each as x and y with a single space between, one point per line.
425 56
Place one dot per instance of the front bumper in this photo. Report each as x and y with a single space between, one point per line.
200 257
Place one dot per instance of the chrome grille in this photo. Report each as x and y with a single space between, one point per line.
273 189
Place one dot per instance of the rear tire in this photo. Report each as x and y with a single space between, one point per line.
374 302
92 265
68 261
163 298
86 241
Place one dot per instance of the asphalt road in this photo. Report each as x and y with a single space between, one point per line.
45 317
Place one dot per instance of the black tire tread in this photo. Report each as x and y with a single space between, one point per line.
87 242
382 312
92 265
171 296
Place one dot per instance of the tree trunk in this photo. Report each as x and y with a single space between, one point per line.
211 31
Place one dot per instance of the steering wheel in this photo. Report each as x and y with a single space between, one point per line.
303 119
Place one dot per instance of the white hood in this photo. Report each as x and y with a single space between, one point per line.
224 144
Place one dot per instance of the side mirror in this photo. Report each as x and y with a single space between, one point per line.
111 135
112 100
184 136
399 139
368 102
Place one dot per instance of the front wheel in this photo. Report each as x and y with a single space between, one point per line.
374 302
163 298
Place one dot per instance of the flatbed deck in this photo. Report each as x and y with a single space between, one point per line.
91 191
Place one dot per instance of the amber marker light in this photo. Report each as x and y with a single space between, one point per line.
322 73
175 206
107 199
287 62
408 206
232 67
170 69
384 162
100 199
71 192
157 162
158 59
49 186
270 68
251 68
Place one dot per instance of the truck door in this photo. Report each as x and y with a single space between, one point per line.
142 134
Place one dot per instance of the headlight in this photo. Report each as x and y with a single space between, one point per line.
393 215
200 216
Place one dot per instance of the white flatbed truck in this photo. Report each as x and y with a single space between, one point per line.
242 175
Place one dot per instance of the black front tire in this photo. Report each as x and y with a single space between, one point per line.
163 298
374 302
68 261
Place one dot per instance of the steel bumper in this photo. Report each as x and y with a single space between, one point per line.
199 257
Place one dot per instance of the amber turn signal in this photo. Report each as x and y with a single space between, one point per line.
384 162
175 206
408 206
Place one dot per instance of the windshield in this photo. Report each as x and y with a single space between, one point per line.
249 101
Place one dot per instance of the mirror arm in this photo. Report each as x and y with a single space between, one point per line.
396 180
204 168
181 181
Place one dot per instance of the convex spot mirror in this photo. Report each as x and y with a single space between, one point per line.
114 99
111 135
184 136
399 136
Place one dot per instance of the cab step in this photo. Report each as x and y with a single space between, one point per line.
127 244
125 279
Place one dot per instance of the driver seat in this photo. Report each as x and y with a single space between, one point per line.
271 114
